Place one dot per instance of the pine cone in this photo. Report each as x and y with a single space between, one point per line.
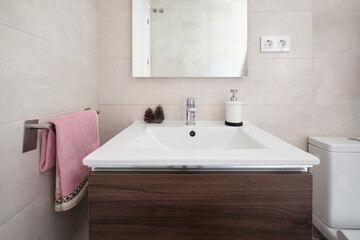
159 114
148 115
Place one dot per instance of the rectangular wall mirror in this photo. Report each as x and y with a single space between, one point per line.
189 38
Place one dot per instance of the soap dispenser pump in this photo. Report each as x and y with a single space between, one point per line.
233 111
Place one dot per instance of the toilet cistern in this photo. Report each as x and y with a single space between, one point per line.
190 111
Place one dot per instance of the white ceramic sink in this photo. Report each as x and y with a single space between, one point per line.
214 146
195 138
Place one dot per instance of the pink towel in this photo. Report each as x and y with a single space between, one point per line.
66 145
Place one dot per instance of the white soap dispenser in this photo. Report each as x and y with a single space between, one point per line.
233 111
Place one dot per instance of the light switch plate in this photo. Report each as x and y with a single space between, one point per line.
275 44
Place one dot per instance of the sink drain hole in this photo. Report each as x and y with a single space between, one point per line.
192 133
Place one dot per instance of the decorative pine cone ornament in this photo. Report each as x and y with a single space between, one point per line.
148 115
159 114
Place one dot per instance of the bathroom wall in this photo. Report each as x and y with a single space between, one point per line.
336 72
48 67
198 38
313 90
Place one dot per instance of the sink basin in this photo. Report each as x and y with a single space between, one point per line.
193 137
207 145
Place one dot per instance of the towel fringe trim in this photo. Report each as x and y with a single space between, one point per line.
64 203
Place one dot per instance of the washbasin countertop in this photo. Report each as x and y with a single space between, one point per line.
170 145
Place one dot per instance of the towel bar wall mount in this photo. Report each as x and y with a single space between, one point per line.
30 132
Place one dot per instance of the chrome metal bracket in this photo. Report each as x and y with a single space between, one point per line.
30 136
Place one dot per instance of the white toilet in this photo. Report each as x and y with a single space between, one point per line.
336 187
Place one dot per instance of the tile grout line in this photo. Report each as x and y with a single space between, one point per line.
50 41
312 71
22 209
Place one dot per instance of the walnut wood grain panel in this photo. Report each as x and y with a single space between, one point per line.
200 206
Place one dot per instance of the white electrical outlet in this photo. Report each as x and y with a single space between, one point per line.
275 44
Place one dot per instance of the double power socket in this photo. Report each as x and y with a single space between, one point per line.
275 44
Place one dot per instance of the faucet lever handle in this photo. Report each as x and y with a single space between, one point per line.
190 102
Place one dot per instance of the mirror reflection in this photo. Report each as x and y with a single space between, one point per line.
189 38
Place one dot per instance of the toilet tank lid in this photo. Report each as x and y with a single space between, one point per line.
336 144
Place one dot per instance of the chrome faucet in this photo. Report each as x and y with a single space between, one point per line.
190 111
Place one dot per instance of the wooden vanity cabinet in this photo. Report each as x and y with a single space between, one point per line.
172 206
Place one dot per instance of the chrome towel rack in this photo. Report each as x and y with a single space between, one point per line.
30 132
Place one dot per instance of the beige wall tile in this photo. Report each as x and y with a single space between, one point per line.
210 112
76 29
278 81
296 24
280 5
335 5
270 81
114 119
48 65
40 221
114 6
37 75
336 81
93 4
211 90
291 123
335 120
115 35
118 87
21 180
336 34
